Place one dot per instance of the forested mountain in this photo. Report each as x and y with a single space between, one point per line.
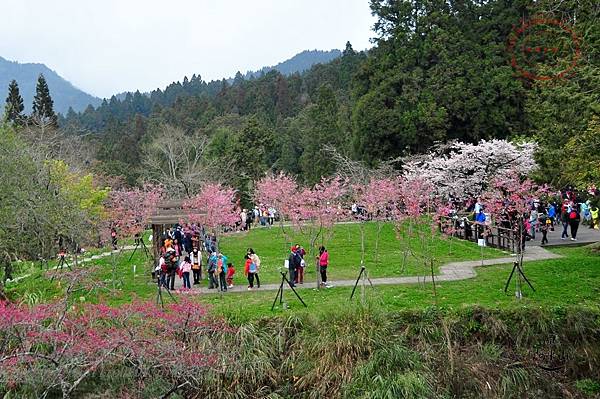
64 94
298 63
438 72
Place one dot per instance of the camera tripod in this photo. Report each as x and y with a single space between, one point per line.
139 241
365 275
62 262
279 294
517 267
163 283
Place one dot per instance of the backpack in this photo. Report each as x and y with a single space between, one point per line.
219 266
252 268
573 215
169 265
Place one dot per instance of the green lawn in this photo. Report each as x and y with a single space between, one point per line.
345 252
573 279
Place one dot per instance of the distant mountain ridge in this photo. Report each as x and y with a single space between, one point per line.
63 93
299 63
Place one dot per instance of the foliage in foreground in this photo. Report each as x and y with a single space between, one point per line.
140 351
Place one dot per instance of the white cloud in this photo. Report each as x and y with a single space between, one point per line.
109 46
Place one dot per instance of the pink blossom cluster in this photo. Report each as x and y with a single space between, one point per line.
214 206
130 208
322 204
66 347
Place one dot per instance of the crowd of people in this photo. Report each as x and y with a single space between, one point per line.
193 255
568 212
260 215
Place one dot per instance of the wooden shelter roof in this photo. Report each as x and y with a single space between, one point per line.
171 212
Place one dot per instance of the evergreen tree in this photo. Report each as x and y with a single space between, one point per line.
43 106
14 104
323 131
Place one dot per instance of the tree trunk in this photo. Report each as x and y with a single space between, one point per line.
433 280
379 227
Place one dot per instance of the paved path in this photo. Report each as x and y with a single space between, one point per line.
449 272
585 235
84 259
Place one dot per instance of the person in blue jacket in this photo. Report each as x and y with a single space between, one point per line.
551 213
222 271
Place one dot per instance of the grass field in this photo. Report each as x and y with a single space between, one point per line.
345 252
344 247
573 279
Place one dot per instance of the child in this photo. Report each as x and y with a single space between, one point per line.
230 273
186 268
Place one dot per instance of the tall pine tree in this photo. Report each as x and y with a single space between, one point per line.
43 105
14 104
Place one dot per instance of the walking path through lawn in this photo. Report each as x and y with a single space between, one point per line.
449 272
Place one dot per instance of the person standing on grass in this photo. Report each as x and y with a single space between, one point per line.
300 270
171 261
323 260
186 268
256 260
293 265
113 238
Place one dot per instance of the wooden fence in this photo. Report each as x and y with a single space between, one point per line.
494 236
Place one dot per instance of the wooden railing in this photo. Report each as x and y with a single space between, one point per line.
494 236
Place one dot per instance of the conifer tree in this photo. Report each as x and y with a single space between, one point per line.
42 103
14 104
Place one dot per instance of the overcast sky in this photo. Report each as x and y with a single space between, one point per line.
109 46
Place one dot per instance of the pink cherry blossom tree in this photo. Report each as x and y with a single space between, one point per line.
280 192
47 348
509 198
379 198
417 205
214 207
312 211
447 219
316 209
129 209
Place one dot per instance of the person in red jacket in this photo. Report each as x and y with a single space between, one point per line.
323 260
230 273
